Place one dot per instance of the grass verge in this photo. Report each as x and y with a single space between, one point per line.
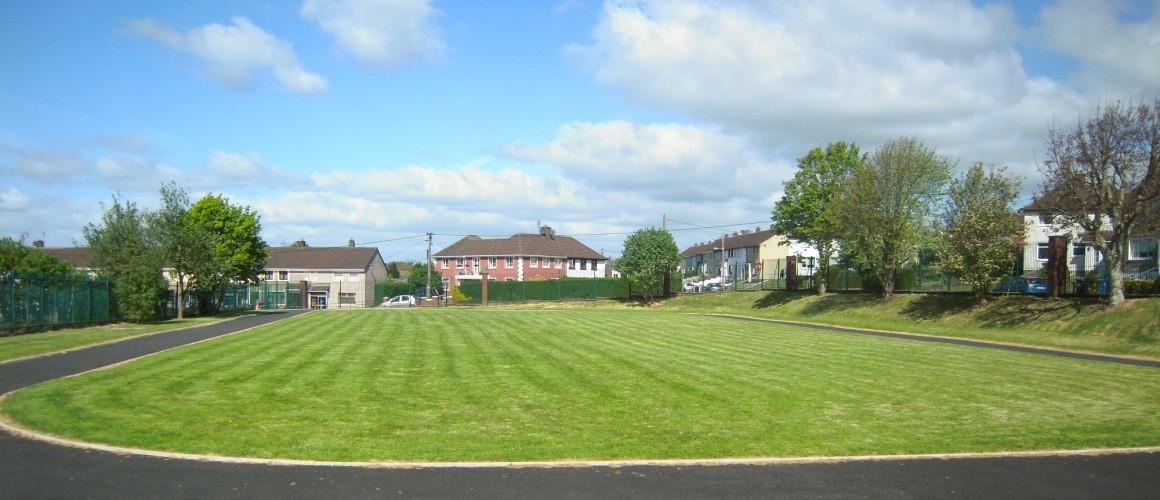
500 385
1073 323
33 344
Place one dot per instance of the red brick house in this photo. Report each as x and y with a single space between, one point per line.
521 257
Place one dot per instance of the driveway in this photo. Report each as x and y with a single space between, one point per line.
35 469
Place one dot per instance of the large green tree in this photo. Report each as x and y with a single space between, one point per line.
187 246
1103 177
650 255
806 212
127 251
237 249
886 209
980 227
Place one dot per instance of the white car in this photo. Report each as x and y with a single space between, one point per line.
400 301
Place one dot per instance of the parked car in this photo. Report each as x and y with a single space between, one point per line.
400 301
713 287
1022 284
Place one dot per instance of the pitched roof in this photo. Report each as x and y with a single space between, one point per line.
78 257
522 244
321 258
753 239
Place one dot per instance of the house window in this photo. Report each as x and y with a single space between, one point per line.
475 262
583 264
336 277
346 298
459 262
593 264
492 263
1042 252
269 275
556 263
535 261
571 263
284 275
1142 249
352 276
509 279
446 263
509 262
1078 251
1046 219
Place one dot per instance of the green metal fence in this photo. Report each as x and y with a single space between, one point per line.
30 303
264 295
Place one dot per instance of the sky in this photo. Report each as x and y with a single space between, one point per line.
384 120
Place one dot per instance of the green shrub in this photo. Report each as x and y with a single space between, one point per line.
1141 287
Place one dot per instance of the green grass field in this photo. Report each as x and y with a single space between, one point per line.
588 383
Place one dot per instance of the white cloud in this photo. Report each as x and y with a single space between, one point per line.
466 188
47 166
668 162
126 172
383 33
233 53
795 75
1119 56
234 169
13 199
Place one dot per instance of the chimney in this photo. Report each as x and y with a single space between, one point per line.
299 244
350 243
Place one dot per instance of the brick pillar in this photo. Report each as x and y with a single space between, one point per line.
791 273
483 286
1056 265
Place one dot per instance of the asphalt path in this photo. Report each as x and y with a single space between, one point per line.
31 468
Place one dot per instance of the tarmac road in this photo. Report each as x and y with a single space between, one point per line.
32 468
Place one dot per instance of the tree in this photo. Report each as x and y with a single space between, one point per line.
649 256
1104 178
23 260
393 270
980 227
126 251
238 253
806 210
419 273
187 246
886 207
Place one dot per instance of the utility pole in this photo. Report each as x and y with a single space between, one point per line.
428 266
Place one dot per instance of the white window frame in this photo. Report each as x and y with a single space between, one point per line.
534 261
1135 244
1042 251
509 262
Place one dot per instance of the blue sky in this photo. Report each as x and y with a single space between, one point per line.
385 120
